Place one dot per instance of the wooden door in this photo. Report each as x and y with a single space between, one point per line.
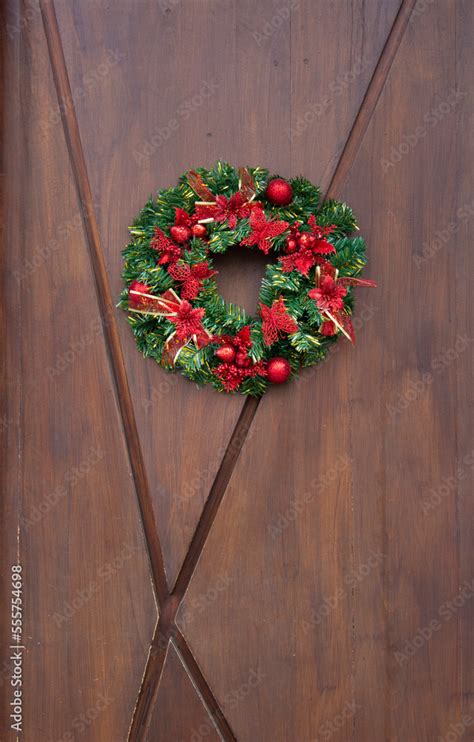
194 566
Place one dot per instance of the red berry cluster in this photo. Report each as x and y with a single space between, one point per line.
305 249
236 364
305 240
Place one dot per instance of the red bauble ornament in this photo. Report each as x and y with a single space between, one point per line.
180 234
199 230
305 239
242 360
226 353
278 370
291 245
279 192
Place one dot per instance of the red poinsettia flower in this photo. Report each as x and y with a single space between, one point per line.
182 218
187 320
322 245
301 261
135 298
276 321
169 250
204 212
231 209
191 277
325 268
263 231
328 295
313 245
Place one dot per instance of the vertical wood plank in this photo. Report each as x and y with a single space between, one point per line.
179 713
148 118
88 605
413 356
463 253
283 538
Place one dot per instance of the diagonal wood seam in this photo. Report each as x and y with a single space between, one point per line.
342 169
166 602
104 296
170 602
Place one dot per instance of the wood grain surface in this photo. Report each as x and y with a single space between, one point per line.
173 721
410 487
308 557
89 610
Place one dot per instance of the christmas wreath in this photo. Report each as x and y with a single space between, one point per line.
305 301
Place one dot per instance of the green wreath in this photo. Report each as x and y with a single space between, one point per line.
305 301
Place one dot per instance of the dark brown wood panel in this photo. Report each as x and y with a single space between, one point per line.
333 595
151 115
277 647
335 49
411 389
179 712
462 251
349 585
88 605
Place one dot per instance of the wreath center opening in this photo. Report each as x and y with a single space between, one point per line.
240 273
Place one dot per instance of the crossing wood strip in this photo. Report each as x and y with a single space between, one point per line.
121 115
371 98
173 721
66 104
